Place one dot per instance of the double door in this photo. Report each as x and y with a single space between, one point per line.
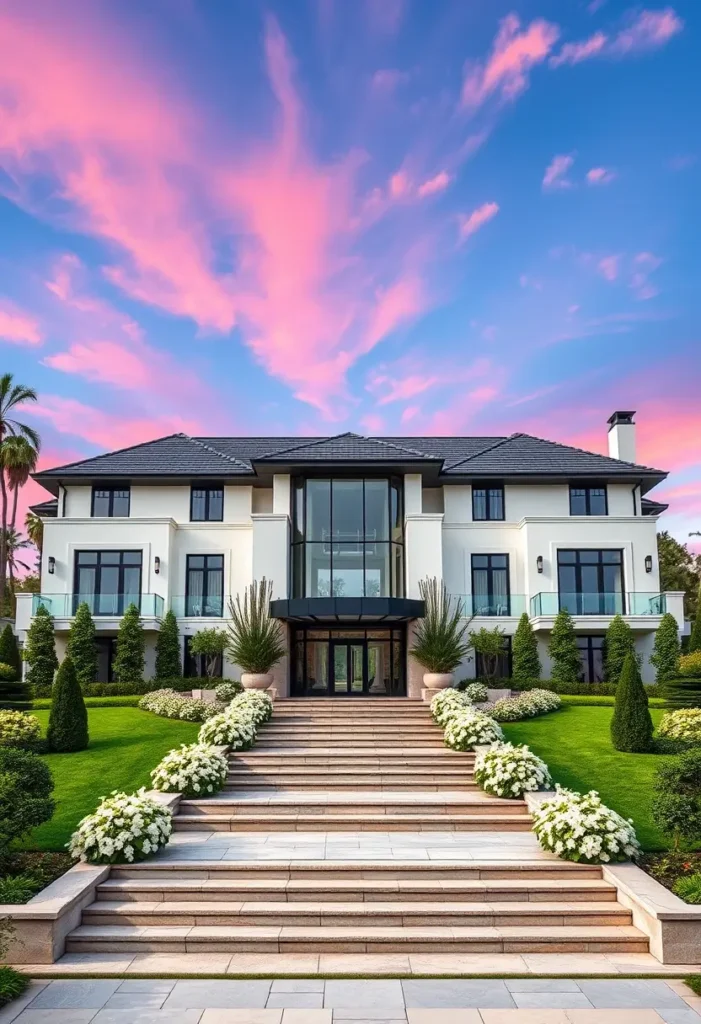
349 667
348 662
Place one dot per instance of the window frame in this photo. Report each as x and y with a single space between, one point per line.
98 576
205 570
588 486
587 651
600 563
487 486
206 486
110 488
490 582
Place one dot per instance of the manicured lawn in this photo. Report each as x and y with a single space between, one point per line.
576 745
125 745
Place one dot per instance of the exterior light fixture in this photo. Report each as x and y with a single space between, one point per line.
156 565
539 563
648 563
52 565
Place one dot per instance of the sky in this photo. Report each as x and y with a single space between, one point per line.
386 216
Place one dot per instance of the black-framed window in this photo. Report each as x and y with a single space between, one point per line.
590 582
110 501
194 665
490 585
108 581
348 537
487 501
106 651
591 652
204 586
503 666
206 503
376 658
588 500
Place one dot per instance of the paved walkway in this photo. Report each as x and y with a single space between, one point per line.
315 1001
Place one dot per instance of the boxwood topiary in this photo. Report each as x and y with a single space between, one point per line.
68 720
631 725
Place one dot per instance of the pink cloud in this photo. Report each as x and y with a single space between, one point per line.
600 176
506 71
399 185
388 80
574 53
556 172
647 31
395 305
103 361
107 430
391 388
469 223
18 327
372 423
608 267
438 183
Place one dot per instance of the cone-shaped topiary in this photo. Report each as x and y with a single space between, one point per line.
168 648
40 652
82 646
9 651
129 657
619 641
68 720
524 651
566 664
631 725
695 638
665 656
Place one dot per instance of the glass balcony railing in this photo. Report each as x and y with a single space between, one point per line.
196 606
598 604
63 606
492 607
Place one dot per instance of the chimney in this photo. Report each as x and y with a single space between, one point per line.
622 436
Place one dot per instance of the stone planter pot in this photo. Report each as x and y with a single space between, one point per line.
438 680
256 680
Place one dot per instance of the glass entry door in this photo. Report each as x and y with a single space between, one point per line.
349 662
348 667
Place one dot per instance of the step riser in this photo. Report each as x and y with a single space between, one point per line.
226 808
101 919
383 785
232 894
348 825
439 761
314 871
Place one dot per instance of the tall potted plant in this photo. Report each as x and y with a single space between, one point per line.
254 639
440 642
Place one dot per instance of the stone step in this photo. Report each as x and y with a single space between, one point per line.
304 822
352 805
347 781
359 771
368 759
364 939
424 914
342 741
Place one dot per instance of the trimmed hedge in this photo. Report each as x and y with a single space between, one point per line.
44 703
683 692
180 683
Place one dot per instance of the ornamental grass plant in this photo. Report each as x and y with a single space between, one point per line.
255 640
440 638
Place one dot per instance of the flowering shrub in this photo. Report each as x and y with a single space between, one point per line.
577 826
469 728
527 704
194 710
510 771
477 692
226 692
447 703
684 724
18 729
170 704
230 728
256 703
122 828
191 770
690 664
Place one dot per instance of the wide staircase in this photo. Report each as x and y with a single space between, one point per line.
354 766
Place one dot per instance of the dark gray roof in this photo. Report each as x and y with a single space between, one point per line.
652 508
47 509
518 455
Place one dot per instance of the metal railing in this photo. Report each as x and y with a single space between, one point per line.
196 606
492 607
64 606
577 603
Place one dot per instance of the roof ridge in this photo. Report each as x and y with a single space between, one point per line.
400 447
584 451
214 451
306 444
482 451
117 451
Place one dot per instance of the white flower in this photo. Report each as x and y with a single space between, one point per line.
107 837
525 705
469 728
516 769
446 703
684 724
578 826
182 770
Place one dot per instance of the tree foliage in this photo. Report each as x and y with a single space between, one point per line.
9 651
440 639
566 664
489 643
131 643
40 651
168 664
619 642
695 638
631 725
210 643
68 719
524 651
680 569
665 656
254 639
676 808
25 794
82 646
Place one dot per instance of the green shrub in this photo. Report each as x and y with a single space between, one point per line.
683 692
688 888
695 637
131 643
665 656
619 642
631 724
18 888
12 984
168 662
40 651
9 652
19 730
210 644
7 673
440 642
566 664
676 809
68 721
524 652
25 794
82 646
690 665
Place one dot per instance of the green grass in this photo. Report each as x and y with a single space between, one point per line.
125 745
44 703
585 700
576 745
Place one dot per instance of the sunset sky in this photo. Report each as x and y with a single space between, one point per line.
386 216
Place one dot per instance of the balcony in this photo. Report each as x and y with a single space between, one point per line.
197 607
63 606
601 604
497 607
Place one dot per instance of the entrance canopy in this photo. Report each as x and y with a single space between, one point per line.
348 610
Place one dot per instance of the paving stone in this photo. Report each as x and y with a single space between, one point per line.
362 995
454 993
687 1016
416 1016
296 1000
638 1016
541 985
298 985
292 1016
628 994
233 1016
147 1016
521 1017
79 994
551 1000
218 995
146 985
10 1012
71 1016
136 1001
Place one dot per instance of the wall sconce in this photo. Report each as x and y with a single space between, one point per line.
539 563
52 565
156 565
648 563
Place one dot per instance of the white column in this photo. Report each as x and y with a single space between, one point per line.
281 494
675 605
271 550
423 549
412 494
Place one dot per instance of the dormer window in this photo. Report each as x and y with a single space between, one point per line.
111 501
207 503
588 500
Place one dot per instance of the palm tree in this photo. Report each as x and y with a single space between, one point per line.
20 459
11 397
13 544
34 528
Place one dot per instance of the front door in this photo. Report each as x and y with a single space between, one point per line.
348 667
